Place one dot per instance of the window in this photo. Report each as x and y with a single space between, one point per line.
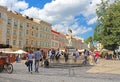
44 44
40 28
40 35
32 33
32 43
27 24
21 25
32 27
15 23
20 43
48 37
9 21
36 43
27 31
46 29
26 41
20 33
36 34
44 35
14 42
8 31
14 32
7 41
53 44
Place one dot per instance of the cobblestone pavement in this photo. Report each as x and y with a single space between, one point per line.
77 74
106 66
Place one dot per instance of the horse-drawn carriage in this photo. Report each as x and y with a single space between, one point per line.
6 61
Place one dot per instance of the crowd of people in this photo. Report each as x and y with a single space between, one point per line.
40 58
91 56
36 57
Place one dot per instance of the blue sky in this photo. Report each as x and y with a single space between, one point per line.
38 3
79 15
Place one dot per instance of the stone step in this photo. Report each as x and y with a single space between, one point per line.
64 65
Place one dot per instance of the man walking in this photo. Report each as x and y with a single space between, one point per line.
38 56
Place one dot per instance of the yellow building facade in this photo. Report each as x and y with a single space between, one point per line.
22 32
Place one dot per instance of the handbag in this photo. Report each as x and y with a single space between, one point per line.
40 59
27 63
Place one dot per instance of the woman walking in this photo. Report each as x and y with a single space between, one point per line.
30 61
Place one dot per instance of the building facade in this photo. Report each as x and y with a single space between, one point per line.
78 42
58 40
23 32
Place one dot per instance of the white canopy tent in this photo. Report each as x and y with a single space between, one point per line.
118 50
82 50
20 52
6 50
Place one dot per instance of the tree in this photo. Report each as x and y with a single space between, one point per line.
89 39
107 30
90 42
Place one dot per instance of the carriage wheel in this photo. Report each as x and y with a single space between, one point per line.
1 69
9 68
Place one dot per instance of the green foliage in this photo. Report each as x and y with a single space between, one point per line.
89 39
107 30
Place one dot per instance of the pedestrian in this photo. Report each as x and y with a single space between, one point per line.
53 54
42 57
65 55
57 55
17 58
38 56
97 55
85 57
76 55
91 58
30 61
50 55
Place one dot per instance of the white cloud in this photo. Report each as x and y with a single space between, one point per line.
60 13
31 12
21 5
14 4
91 8
61 10
77 30
92 21
60 28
